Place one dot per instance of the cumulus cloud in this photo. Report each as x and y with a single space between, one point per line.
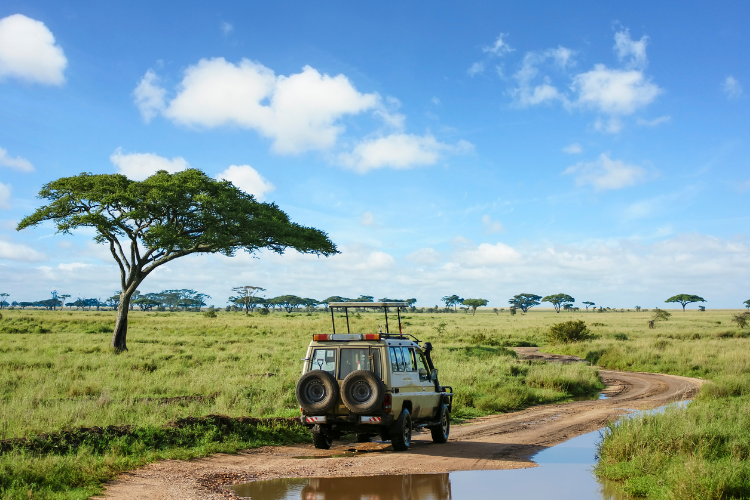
18 252
138 166
605 173
149 96
398 151
614 91
299 112
629 51
475 69
16 163
5 195
732 87
487 254
28 51
491 226
247 179
573 149
500 47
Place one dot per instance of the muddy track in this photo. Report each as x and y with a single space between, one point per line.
504 441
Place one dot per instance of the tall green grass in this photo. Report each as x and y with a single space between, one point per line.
57 372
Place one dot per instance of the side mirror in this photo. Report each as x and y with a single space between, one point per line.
433 374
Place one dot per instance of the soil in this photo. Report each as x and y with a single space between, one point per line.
505 441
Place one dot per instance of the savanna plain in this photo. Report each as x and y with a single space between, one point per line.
74 414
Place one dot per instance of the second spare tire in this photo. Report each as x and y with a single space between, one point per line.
317 391
363 392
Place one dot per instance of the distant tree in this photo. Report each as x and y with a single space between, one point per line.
558 300
288 302
149 223
741 319
747 304
364 298
588 304
409 302
63 298
685 299
24 305
661 315
3 302
524 301
147 302
14 304
113 301
452 301
569 307
54 298
335 298
474 303
638 308
246 294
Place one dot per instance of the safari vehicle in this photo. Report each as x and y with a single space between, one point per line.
372 384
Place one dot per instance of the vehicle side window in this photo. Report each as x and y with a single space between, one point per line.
353 358
324 359
397 360
422 365
409 359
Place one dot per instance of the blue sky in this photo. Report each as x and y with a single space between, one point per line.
477 149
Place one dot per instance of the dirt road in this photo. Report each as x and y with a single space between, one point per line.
496 442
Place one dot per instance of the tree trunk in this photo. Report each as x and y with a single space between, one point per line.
120 334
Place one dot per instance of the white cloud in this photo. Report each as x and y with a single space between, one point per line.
655 122
528 93
298 112
399 151
614 91
18 252
17 163
367 219
226 28
436 101
149 96
611 125
732 87
605 173
424 256
138 166
247 179
487 254
573 149
491 226
500 47
475 69
629 51
5 190
28 51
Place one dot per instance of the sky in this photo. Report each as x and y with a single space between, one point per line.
483 149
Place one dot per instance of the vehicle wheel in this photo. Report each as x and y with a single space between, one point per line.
363 438
317 391
441 432
363 392
321 441
401 433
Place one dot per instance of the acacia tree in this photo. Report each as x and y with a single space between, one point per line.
149 223
685 299
3 301
245 296
747 304
558 300
587 304
474 303
524 301
452 300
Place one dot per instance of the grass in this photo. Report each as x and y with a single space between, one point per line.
702 452
58 374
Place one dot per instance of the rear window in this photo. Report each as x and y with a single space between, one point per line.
354 358
324 359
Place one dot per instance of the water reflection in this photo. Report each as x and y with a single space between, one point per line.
564 472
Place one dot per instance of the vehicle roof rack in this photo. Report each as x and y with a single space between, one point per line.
368 304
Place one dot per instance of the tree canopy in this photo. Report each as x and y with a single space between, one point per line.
558 300
452 300
246 296
588 303
148 223
685 299
524 301
474 303
747 303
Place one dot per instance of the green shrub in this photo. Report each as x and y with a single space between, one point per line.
210 313
568 331
620 336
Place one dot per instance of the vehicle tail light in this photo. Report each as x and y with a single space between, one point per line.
388 403
321 336
372 336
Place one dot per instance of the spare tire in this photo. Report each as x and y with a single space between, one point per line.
363 392
317 391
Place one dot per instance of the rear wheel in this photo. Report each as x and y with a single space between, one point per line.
441 432
401 433
320 440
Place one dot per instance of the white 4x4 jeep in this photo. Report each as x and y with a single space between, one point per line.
372 384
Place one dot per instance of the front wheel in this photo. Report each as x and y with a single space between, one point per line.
401 434
441 432
321 441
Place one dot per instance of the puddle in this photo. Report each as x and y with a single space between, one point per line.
564 472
